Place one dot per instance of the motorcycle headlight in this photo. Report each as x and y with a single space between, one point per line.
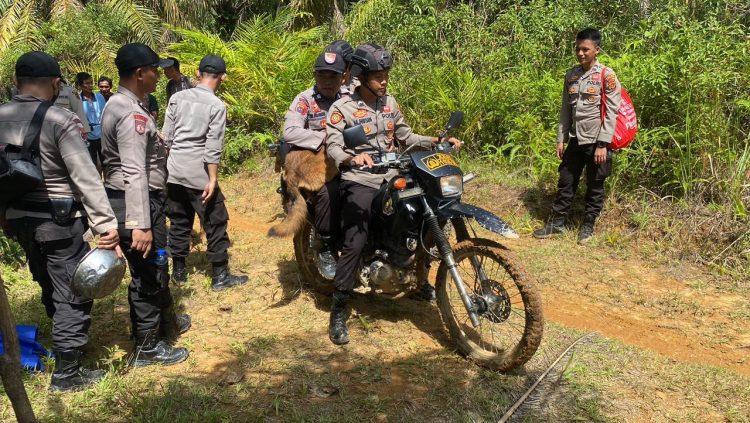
451 185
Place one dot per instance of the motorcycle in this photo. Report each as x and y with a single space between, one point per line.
489 303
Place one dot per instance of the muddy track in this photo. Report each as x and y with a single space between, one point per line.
630 301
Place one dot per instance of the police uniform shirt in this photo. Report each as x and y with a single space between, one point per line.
66 164
305 121
382 127
133 155
194 132
68 99
581 113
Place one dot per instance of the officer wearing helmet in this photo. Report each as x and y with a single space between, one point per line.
380 116
305 132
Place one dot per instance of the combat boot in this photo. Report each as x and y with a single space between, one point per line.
69 375
426 292
587 230
222 279
172 324
555 226
337 330
179 271
149 349
326 258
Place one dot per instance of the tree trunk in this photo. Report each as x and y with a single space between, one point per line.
337 21
10 363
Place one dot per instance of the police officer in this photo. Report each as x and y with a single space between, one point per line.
304 129
50 222
69 99
587 133
384 125
194 131
345 50
134 160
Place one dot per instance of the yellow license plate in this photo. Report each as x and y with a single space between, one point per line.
438 160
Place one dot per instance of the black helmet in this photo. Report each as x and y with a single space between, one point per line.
341 48
370 57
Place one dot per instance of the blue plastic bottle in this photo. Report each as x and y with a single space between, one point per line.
161 257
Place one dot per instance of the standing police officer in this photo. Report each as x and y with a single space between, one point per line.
384 125
304 129
50 222
588 133
134 160
194 131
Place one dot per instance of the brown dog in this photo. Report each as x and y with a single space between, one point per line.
305 172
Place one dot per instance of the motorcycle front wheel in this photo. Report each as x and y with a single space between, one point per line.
306 253
505 298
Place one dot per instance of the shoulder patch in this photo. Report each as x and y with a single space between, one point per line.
336 117
302 107
610 82
140 123
80 128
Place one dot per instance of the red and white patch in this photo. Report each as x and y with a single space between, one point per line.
315 107
80 128
386 109
336 117
360 113
330 58
302 107
596 77
322 123
140 124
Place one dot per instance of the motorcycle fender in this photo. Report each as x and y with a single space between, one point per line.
486 219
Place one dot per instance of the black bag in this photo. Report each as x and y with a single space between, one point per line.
20 166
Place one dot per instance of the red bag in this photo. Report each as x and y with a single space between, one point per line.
627 123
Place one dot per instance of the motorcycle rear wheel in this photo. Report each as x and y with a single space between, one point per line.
510 308
306 255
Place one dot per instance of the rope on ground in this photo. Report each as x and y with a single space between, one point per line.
508 414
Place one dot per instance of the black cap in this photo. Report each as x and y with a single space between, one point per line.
330 61
169 62
37 64
134 55
212 64
343 48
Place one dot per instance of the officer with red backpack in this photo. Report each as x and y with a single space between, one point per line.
590 105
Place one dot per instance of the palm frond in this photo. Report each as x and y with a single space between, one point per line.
61 7
145 26
19 23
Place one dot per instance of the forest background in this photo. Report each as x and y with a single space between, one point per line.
683 187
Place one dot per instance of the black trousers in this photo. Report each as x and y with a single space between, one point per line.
182 205
576 158
356 205
53 252
148 293
95 151
327 206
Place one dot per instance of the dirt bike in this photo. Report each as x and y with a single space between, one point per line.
489 303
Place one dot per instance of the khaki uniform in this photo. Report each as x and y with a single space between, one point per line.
383 127
194 128
133 156
305 121
54 247
581 113
66 164
69 99
194 131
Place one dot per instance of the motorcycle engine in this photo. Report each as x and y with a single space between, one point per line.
383 278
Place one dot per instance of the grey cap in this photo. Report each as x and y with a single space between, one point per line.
98 274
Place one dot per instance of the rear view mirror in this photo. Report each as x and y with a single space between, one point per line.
455 120
354 137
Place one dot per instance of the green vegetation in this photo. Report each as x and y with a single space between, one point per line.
683 185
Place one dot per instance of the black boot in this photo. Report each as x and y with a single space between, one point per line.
69 375
337 331
179 271
587 230
426 292
149 349
326 257
172 324
555 226
222 279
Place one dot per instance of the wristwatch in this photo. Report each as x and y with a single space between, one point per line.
601 144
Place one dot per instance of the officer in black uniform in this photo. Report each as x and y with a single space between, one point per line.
134 159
